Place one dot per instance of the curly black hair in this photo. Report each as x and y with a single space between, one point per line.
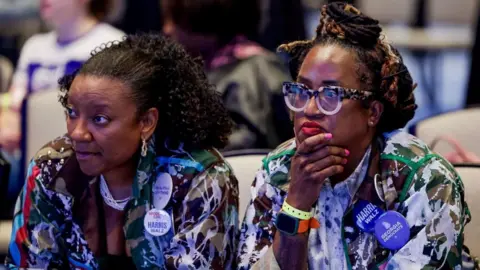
381 68
161 74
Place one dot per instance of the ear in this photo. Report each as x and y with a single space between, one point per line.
148 123
374 113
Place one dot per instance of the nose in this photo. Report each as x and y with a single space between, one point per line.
78 130
312 108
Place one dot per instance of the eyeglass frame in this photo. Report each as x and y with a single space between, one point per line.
342 92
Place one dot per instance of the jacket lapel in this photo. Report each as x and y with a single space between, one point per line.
84 190
385 178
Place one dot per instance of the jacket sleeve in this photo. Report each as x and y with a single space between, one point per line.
36 237
436 208
206 237
258 230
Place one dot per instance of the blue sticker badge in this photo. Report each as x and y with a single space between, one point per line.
392 230
365 215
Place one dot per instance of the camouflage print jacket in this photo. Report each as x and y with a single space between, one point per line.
413 181
57 222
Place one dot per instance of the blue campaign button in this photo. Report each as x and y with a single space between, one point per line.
392 230
365 215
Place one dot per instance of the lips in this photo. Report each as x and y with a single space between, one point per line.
81 155
311 128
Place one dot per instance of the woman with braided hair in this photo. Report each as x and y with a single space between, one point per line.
352 190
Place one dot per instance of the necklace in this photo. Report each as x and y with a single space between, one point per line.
108 198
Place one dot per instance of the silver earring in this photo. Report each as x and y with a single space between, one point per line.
144 148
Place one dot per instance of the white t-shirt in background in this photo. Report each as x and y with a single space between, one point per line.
43 60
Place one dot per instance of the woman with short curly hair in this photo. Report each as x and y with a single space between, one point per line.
137 182
352 190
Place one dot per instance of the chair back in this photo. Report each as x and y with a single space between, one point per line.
245 164
462 125
453 12
5 233
45 120
470 175
6 73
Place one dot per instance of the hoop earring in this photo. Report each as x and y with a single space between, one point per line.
144 148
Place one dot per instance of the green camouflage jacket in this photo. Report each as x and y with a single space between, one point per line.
413 181
57 219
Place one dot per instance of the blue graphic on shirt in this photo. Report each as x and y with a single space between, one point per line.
45 77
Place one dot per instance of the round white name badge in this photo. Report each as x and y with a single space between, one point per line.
157 222
162 190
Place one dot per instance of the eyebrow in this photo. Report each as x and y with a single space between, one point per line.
303 80
330 82
324 82
93 104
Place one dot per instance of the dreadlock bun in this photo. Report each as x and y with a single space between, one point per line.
382 70
396 92
344 21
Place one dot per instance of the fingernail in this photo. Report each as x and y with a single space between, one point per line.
328 135
347 152
344 161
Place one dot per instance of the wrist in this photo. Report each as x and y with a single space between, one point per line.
295 212
291 222
298 204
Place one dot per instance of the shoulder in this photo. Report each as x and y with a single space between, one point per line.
38 42
58 149
276 164
266 68
213 165
408 149
268 64
204 159
50 160
426 171
196 164
42 185
286 149
268 58
101 34
401 145
107 32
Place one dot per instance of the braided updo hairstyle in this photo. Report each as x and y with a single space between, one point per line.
381 69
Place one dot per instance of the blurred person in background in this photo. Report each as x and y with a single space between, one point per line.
18 9
281 21
77 28
248 76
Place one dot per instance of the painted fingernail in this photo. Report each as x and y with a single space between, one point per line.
328 135
344 161
347 152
